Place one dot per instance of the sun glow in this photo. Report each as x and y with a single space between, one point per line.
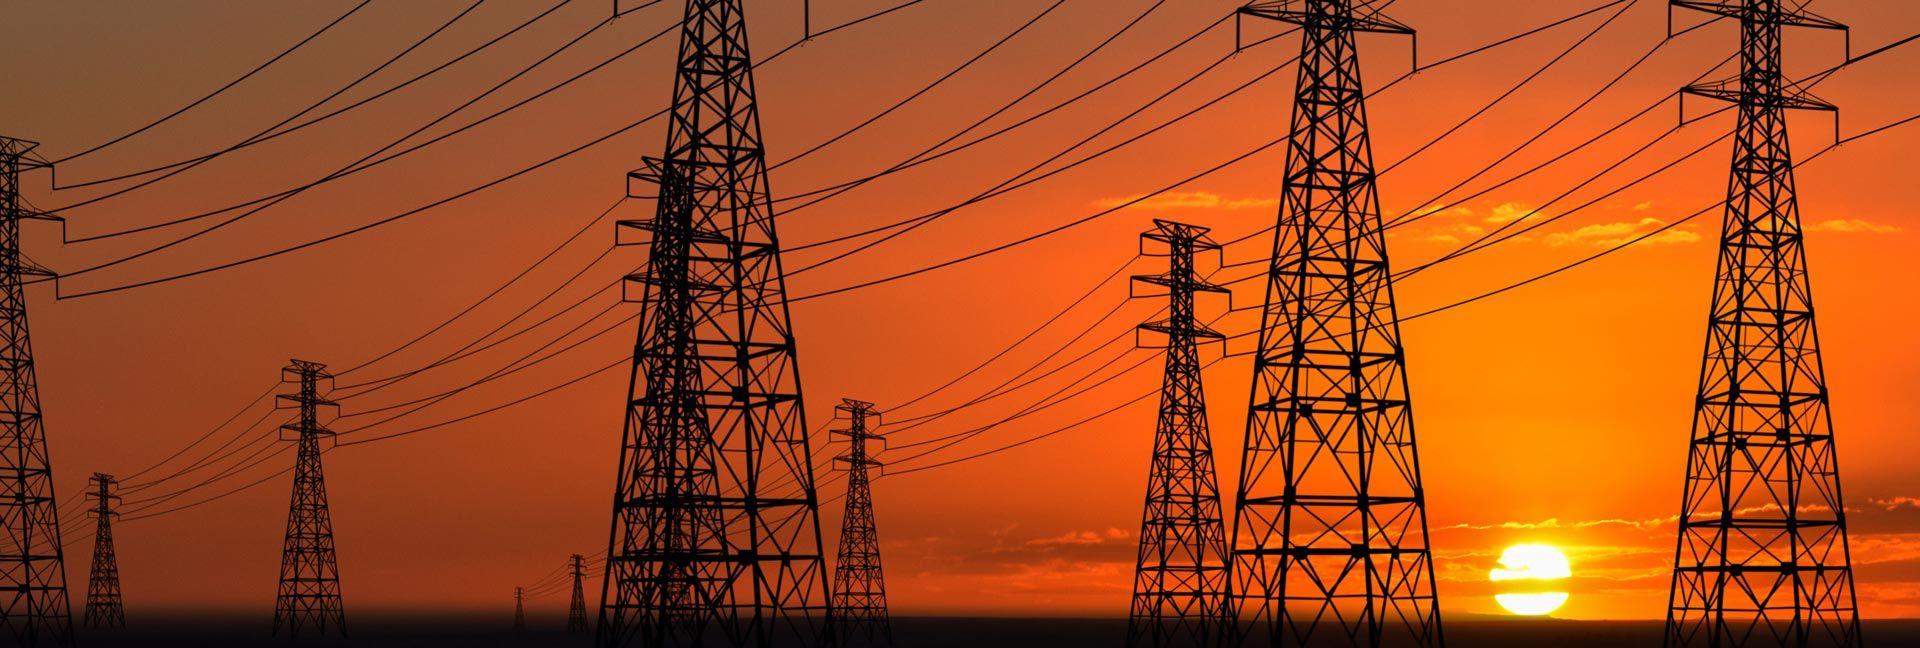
1532 567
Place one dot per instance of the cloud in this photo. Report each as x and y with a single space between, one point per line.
1165 201
1853 226
1254 203
1621 233
1504 213
1555 523
1079 538
1173 200
1896 503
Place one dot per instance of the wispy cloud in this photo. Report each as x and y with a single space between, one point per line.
1174 200
1853 226
1165 201
1620 233
1508 212
1896 503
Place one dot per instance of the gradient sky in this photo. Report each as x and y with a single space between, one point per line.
1557 413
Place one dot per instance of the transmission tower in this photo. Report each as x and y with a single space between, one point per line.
1761 558
104 607
859 587
1330 542
519 611
1180 579
577 609
33 581
716 536
309 599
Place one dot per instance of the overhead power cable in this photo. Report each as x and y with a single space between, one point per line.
925 89
434 204
590 224
375 160
335 174
217 91
1160 190
928 154
269 132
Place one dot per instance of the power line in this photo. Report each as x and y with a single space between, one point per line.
469 349
1117 272
928 154
370 161
1003 388
217 91
1128 203
1433 311
925 89
202 438
437 203
491 294
511 367
1524 282
337 173
267 133
1016 182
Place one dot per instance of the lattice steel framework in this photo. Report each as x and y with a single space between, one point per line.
859 586
309 597
1761 557
1330 542
519 611
577 608
1180 577
716 536
33 581
104 607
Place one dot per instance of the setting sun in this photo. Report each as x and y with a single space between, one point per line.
1531 567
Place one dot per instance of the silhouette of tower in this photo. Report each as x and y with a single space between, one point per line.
577 609
1761 557
859 587
704 550
519 611
33 581
104 607
1330 542
309 599
1180 579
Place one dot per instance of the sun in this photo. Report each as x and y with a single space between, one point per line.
1532 568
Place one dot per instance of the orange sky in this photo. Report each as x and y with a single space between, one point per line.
1557 413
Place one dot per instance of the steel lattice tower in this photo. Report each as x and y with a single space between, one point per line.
1180 578
519 611
859 586
1330 542
716 536
1761 557
33 581
577 608
309 599
104 608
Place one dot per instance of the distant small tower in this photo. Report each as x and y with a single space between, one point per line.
519 611
309 599
104 609
577 610
859 588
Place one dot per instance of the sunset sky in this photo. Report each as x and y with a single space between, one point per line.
1556 413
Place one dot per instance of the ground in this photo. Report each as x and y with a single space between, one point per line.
483 632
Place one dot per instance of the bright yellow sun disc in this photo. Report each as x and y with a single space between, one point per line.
1535 563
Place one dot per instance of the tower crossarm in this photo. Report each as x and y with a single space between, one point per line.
1751 12
1360 17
